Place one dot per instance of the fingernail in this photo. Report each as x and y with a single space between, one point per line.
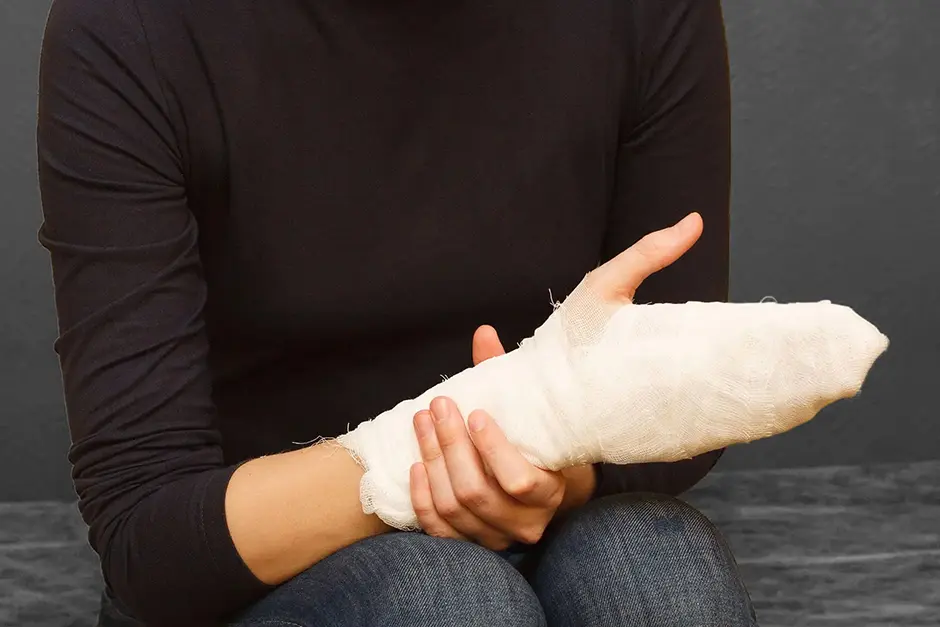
476 422
423 425
439 409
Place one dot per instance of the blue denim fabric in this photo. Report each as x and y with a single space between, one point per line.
621 561
402 580
638 560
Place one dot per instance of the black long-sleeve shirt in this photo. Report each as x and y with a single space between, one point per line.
269 221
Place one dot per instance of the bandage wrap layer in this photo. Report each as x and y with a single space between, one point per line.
633 383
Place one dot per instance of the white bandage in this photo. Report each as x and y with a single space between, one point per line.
636 383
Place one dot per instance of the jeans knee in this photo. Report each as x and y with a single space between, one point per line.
638 556
403 579
637 523
661 518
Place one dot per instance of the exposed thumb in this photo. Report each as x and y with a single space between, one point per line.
619 278
486 344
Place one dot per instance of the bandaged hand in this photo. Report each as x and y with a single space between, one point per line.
605 380
474 484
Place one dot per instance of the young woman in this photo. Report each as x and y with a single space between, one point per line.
269 221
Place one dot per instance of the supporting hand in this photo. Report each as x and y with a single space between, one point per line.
475 485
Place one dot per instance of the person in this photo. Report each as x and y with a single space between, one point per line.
269 222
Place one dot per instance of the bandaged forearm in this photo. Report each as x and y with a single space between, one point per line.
633 383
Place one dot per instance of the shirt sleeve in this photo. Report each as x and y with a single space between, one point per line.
146 452
674 158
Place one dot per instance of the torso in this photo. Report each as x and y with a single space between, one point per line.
373 183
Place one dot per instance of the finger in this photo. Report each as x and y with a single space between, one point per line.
423 503
445 501
486 344
474 488
514 473
623 275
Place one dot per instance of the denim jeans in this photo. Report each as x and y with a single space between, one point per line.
624 561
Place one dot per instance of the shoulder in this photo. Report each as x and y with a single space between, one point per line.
118 26
657 21
658 10
83 36
677 44
92 46
80 19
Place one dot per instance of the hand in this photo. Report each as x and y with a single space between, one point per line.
580 481
476 485
617 280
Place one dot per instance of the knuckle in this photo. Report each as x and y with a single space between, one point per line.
423 511
449 508
473 494
487 447
651 242
651 248
432 452
446 436
524 486
452 439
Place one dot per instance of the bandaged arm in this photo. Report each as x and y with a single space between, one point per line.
675 157
627 383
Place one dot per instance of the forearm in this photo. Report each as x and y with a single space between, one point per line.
286 512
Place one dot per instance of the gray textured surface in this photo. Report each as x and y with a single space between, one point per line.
833 547
33 435
844 546
836 195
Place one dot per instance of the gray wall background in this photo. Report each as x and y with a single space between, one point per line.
836 195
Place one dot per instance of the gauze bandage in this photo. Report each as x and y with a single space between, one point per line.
636 383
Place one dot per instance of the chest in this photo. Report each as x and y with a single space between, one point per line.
467 156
